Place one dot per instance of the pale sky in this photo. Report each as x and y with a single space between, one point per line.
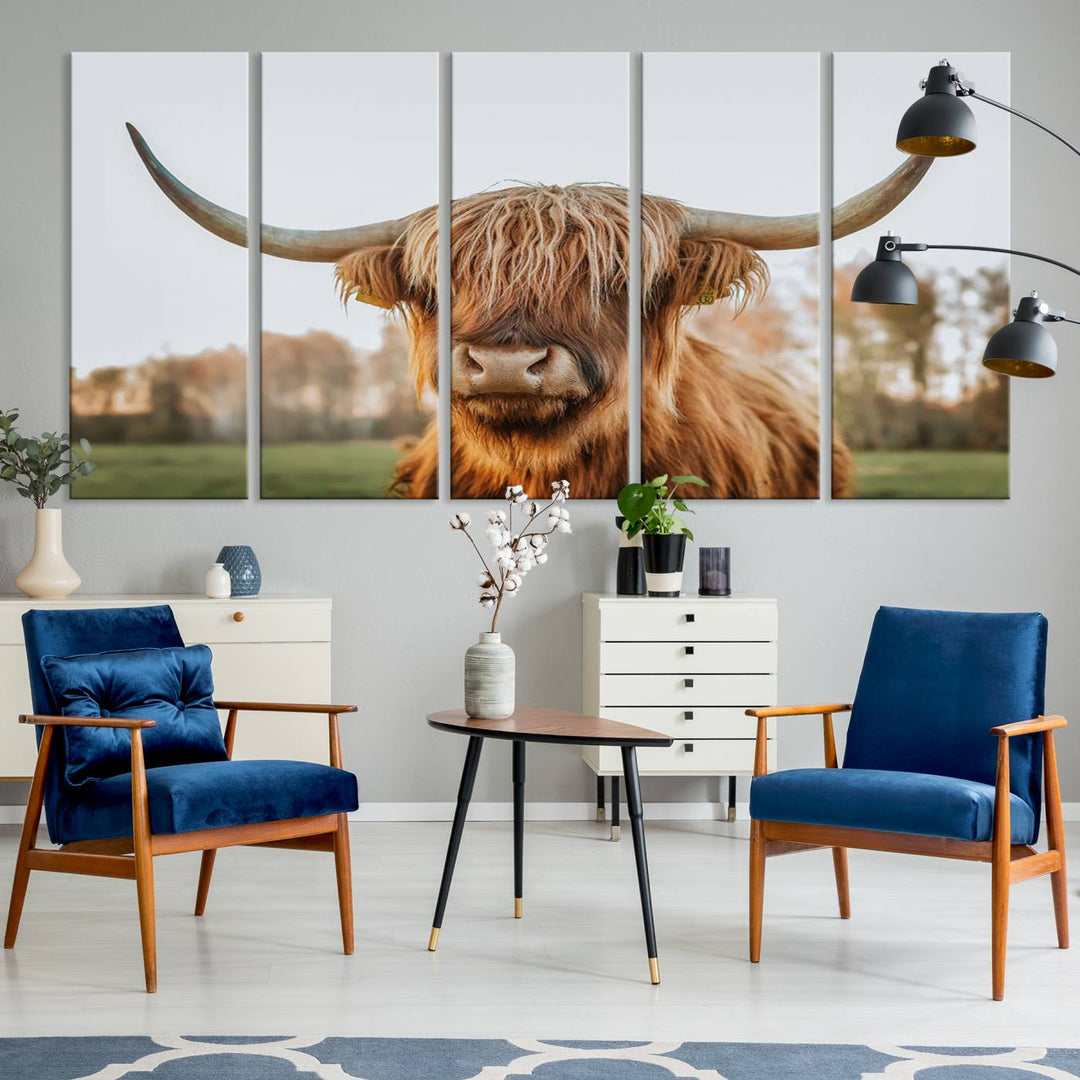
145 279
548 118
347 138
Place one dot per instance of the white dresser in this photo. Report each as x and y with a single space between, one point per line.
266 648
686 666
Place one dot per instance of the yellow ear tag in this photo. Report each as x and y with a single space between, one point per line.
371 298
707 296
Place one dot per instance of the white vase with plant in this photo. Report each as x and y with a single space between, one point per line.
516 550
39 466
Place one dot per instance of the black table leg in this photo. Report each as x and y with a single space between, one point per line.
600 798
468 778
615 800
731 798
637 827
519 825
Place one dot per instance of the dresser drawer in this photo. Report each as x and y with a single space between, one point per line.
682 657
692 723
687 691
688 620
709 757
214 621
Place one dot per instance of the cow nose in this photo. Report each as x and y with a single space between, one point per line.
504 369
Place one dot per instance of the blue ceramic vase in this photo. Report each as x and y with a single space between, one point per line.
243 568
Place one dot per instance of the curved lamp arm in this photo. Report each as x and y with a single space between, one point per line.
969 91
983 247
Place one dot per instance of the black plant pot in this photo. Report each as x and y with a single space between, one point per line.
664 556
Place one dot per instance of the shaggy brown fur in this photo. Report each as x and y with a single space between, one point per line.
550 265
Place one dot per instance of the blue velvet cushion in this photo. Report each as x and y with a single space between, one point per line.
903 802
933 684
65 632
208 795
172 686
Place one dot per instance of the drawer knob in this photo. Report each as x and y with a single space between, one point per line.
688 715
238 616
688 747
689 616
688 684
689 650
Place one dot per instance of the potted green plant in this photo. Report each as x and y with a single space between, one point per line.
39 466
650 509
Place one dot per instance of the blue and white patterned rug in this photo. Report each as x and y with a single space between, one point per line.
284 1058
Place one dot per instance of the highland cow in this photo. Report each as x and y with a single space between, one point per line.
539 330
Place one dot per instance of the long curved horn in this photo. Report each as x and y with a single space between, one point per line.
304 245
802 230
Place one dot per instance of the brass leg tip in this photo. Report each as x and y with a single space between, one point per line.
654 971
600 813
616 831
433 940
519 907
731 813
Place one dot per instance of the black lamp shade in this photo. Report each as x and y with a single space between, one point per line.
1024 349
939 124
885 281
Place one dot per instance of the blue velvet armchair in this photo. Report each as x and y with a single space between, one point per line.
947 751
132 763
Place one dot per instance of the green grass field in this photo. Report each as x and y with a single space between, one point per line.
179 471
340 470
931 474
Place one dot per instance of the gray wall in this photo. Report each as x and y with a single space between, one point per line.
404 605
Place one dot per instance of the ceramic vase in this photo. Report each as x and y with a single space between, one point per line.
489 678
664 554
48 575
243 569
630 569
218 582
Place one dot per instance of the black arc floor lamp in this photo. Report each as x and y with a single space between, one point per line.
940 124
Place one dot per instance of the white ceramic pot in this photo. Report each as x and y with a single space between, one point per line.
48 575
489 678
218 582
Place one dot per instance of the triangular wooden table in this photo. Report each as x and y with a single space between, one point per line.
529 724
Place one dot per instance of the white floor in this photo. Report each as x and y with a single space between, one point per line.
911 966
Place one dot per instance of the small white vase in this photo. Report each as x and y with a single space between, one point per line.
489 678
48 575
218 582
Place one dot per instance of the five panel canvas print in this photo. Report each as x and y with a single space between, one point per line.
542 223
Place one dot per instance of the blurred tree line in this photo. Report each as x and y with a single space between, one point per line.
315 386
911 377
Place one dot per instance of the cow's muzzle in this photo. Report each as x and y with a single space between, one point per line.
551 371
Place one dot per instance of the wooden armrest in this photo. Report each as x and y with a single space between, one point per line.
798 710
1028 727
281 706
87 721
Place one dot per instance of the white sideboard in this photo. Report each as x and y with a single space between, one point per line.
266 648
688 666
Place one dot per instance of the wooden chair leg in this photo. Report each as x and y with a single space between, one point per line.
1000 871
1055 829
206 871
843 895
757 888
28 840
343 867
144 861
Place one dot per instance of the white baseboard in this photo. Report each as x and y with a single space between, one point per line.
12 814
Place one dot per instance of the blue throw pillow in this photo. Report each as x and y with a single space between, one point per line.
172 686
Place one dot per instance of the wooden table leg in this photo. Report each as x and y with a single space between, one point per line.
616 798
468 778
637 827
519 826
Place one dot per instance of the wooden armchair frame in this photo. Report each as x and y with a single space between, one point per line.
1009 862
132 857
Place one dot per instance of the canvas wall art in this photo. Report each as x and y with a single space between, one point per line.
540 271
349 275
915 414
730 351
159 307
